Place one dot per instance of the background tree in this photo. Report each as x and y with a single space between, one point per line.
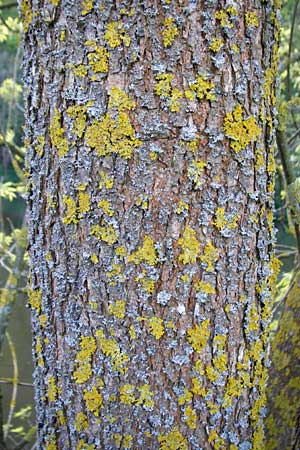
151 159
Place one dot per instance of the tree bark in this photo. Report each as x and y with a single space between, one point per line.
150 133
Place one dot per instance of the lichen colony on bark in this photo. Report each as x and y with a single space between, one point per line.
150 130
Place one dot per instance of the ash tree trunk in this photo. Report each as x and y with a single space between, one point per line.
150 129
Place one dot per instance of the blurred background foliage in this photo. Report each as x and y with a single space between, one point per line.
16 399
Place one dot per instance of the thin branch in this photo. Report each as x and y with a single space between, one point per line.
11 381
15 384
8 5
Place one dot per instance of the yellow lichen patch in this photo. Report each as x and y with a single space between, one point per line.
82 445
186 397
146 253
35 299
71 210
195 172
80 71
198 335
81 422
224 16
38 349
115 34
57 134
216 44
132 332
105 205
78 113
234 388
119 100
190 417
221 222
253 319
87 6
156 327
27 14
106 182
83 359
55 2
146 397
218 442
210 256
251 19
240 132
197 389
170 31
202 89
84 203
111 348
39 146
112 136
99 59
174 103
105 232
93 400
127 396
181 207
163 86
118 309
206 288
172 441
190 246
43 320
51 443
52 390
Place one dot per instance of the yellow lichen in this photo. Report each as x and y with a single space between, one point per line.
195 172
224 16
186 397
57 134
190 246
82 445
35 299
27 14
111 348
115 34
206 288
172 441
202 89
216 44
105 205
117 309
251 19
39 146
87 6
80 71
106 182
182 206
170 31
240 131
83 359
84 203
112 136
93 400
81 422
146 397
156 327
146 253
127 396
105 232
198 336
221 222
132 332
71 210
78 113
190 417
119 100
174 103
163 86
99 59
52 390
210 256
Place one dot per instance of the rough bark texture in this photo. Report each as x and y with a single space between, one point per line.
150 156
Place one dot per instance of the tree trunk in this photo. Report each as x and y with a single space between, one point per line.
150 155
